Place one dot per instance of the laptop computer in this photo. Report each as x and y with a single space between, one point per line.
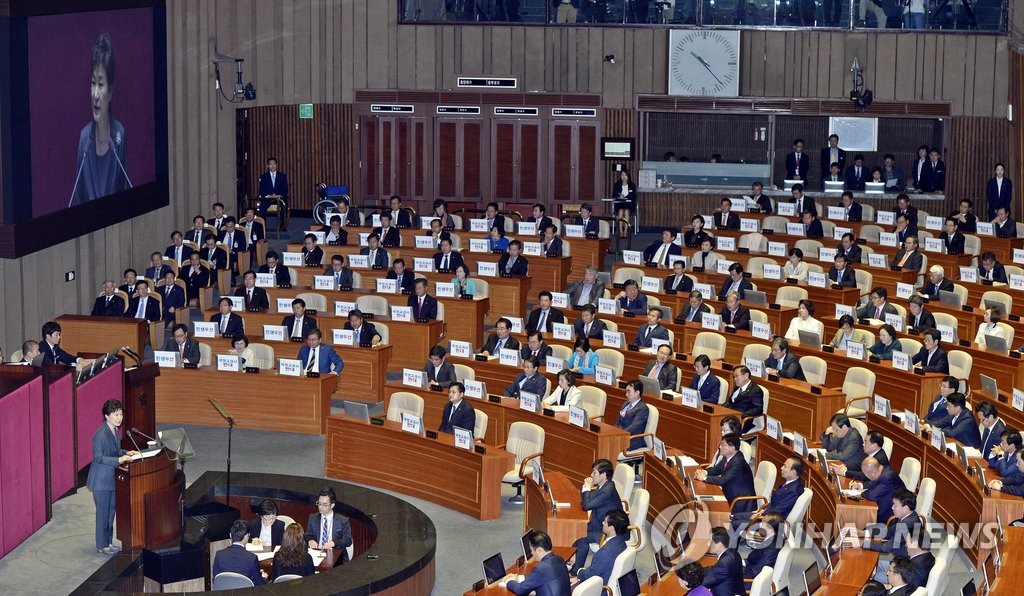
998 307
834 186
812 578
874 187
997 344
526 544
663 561
494 568
755 298
787 185
961 454
652 387
989 385
950 299
809 339
357 411
979 475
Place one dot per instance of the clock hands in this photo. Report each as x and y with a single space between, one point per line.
705 64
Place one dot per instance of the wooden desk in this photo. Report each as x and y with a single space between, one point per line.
431 469
567 524
332 557
567 449
263 401
84 334
1011 576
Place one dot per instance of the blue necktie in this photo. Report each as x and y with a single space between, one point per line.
323 533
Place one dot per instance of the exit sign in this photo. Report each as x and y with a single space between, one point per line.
306 111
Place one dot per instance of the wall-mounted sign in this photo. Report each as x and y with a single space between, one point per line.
384 108
506 111
575 112
500 82
458 109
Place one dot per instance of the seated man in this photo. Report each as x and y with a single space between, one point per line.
733 314
109 304
328 529
936 283
440 372
156 268
342 275
319 357
591 226
783 498
737 283
228 323
213 254
692 312
298 324
177 249
365 333
843 442
447 259
652 330
404 280
658 252
766 550
552 244
29 351
255 298
849 248
726 577
377 256
598 496
958 424
990 427
937 409
50 346
501 338
894 542
706 384
1003 225
678 281
458 413
186 347
878 306
633 414
397 214
424 306
549 577
841 274
588 325
535 347
234 239
1004 455
528 381
873 443
615 529
882 483
280 272
171 297
747 397
312 255
732 473
197 278
662 369
931 357
143 306
236 559
336 234
908 257
952 239
389 235
513 263
782 362
853 211
1012 484
587 290
991 269
726 218
812 225
632 300
918 316
540 218
197 235
540 319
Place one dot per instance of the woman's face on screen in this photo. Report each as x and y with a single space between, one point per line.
101 94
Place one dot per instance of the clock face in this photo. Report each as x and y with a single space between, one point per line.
704 62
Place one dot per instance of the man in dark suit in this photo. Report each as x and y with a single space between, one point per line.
732 473
615 529
549 577
272 183
318 356
587 290
424 306
853 210
765 551
501 338
447 259
931 357
856 175
404 280
298 324
535 347
882 483
633 414
991 429
678 281
936 283
196 276
848 247
798 163
364 332
920 556
599 497
737 282
236 559
312 255
658 252
726 219
50 348
327 529
254 230
878 305
812 225
747 397
235 240
1004 455
952 239
662 369
936 410
458 413
540 218
694 309
214 254
904 230
588 325
998 191
933 175
342 275
704 382
198 233
378 257
228 323
512 262
832 154
763 201
591 226
552 244
143 306
899 575
652 330
840 274
108 304
268 513
494 219
186 347
783 362
894 542
177 250
528 381
540 319
156 268
959 424
398 214
726 577
255 298
389 235
842 442
783 498
280 271
128 287
918 316
991 269
440 372
873 442
172 297
1003 225
734 314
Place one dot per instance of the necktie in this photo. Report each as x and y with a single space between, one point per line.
693 313
141 314
419 306
337 278
725 218
444 262
312 360
906 255
297 328
511 262
223 324
858 173
656 371
586 330
663 252
248 296
452 415
177 255
928 361
501 344
878 313
373 257
323 533
181 350
700 381
167 292
675 284
542 323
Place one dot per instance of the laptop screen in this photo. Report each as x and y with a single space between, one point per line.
494 568
755 298
949 299
812 578
357 410
652 388
526 544
809 338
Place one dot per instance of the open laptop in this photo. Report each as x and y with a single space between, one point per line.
961 454
874 187
950 299
494 569
357 411
997 344
998 307
755 298
526 544
834 186
979 475
989 385
812 578
652 387
809 339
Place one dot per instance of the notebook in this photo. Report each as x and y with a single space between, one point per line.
494 568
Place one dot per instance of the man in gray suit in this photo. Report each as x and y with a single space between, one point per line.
587 290
843 442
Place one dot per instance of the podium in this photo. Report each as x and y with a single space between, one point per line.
139 398
148 494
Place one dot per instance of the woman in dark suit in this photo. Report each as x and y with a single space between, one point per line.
624 194
293 558
106 456
266 530
999 191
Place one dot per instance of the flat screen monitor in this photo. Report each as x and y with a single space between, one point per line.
755 298
989 385
357 411
950 299
812 578
494 568
618 149
526 544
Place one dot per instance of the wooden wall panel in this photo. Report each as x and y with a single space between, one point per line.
976 145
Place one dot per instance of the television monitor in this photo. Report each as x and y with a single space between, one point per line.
618 148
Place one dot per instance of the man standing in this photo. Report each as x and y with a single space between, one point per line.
832 154
732 473
50 347
598 496
273 184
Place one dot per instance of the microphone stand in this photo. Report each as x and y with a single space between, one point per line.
231 425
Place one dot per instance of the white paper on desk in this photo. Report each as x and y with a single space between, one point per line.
532 249
359 261
425 242
760 330
318 556
786 209
1018 400
843 309
266 556
794 229
478 225
561 331
895 320
574 231
633 257
876 260
650 284
816 280
685 461
933 245
673 258
444 290
484 269
1018 255
461 349
152 452
284 305
849 492
364 240
527 228
722 266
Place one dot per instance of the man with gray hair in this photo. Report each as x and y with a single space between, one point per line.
108 304
587 290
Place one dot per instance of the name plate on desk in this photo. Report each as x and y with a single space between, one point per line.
265 280
633 257
607 306
320 236
401 313
838 233
228 362
509 357
573 231
786 209
855 350
938 440
561 331
893 319
475 389
876 260
478 225
985 228
364 237
554 365
527 228
900 360
613 339
1018 400
559 300
517 324
771 271
1016 282
748 224
800 444
478 245
968 274
528 401
237 303
289 367
461 349
761 330
843 309
387 286
425 242
1018 255
414 378
817 280
323 282
343 337
882 407
933 245
706 290
711 321
200 329
691 398
650 284
463 438
722 267
532 249
837 213
756 367
727 243
359 261
411 423
443 289
794 229
577 417
425 265
885 218
778 249
604 375
274 332
888 239
904 290
934 222
284 305
947 333
165 359
911 422
342 307
292 259
773 427
827 254
484 269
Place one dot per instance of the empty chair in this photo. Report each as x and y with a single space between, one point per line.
948 548
810 247
926 497
593 400
723 392
229 580
464 372
314 301
480 424
887 447
758 316
759 352
764 479
828 228
782 566
378 305
754 241
1013 270
610 325
910 346
972 245
755 265
944 318
526 443
263 356
790 296
624 477
611 358
560 351
287 577
815 268
871 233
795 518
639 503
624 563
762 584
205 354
960 364
938 578
814 369
357 279
865 281
483 287
910 472
711 344
594 586
867 212
776 223
622 274
384 331
1008 333
403 402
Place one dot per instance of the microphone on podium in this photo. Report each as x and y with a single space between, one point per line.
148 438
129 433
